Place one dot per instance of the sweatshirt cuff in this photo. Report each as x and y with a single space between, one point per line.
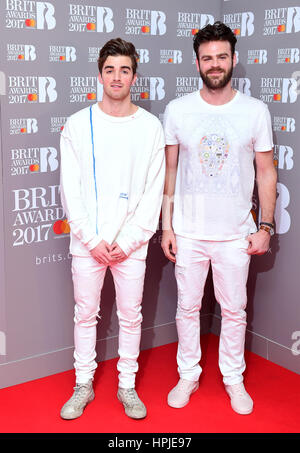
93 243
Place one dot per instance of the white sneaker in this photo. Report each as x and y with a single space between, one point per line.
74 407
180 395
133 406
241 402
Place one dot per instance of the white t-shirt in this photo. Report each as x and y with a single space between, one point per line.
215 176
114 194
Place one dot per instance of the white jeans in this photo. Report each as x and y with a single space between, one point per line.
88 276
230 266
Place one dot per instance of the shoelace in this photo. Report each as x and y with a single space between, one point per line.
80 392
238 390
132 397
184 385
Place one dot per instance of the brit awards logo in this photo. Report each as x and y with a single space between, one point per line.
145 22
148 88
186 85
25 161
38 215
170 56
21 52
20 126
188 24
259 56
62 53
31 89
283 157
144 55
278 21
282 216
278 90
30 15
93 54
85 89
242 24
88 18
288 55
242 84
57 123
284 124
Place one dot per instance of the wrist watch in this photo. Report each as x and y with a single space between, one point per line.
268 227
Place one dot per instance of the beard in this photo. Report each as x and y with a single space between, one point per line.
217 83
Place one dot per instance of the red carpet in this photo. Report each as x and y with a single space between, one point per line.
34 407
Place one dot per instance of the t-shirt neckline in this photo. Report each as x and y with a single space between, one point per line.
219 107
117 119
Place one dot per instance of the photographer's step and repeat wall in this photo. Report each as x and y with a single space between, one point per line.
49 54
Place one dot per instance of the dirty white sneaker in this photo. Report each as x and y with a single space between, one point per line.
83 394
133 406
180 395
241 402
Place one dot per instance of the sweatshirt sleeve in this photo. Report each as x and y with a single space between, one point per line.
143 224
70 190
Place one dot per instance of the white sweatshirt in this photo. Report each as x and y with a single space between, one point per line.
112 191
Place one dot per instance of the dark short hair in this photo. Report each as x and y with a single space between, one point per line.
116 47
216 32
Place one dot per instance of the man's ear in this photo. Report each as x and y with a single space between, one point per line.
234 60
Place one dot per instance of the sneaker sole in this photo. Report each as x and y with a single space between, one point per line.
179 406
238 411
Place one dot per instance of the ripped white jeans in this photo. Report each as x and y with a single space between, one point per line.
88 277
230 264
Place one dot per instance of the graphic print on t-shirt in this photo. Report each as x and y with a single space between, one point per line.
212 164
213 151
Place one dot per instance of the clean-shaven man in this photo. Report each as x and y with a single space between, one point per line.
112 177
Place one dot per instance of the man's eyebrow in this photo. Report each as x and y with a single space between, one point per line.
112 67
218 55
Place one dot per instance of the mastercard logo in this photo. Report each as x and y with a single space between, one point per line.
20 57
277 97
23 130
287 60
195 30
281 28
237 31
256 60
170 60
62 58
30 22
91 26
283 128
61 227
145 95
32 97
145 29
91 96
34 167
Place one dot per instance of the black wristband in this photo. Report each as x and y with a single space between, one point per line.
271 225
